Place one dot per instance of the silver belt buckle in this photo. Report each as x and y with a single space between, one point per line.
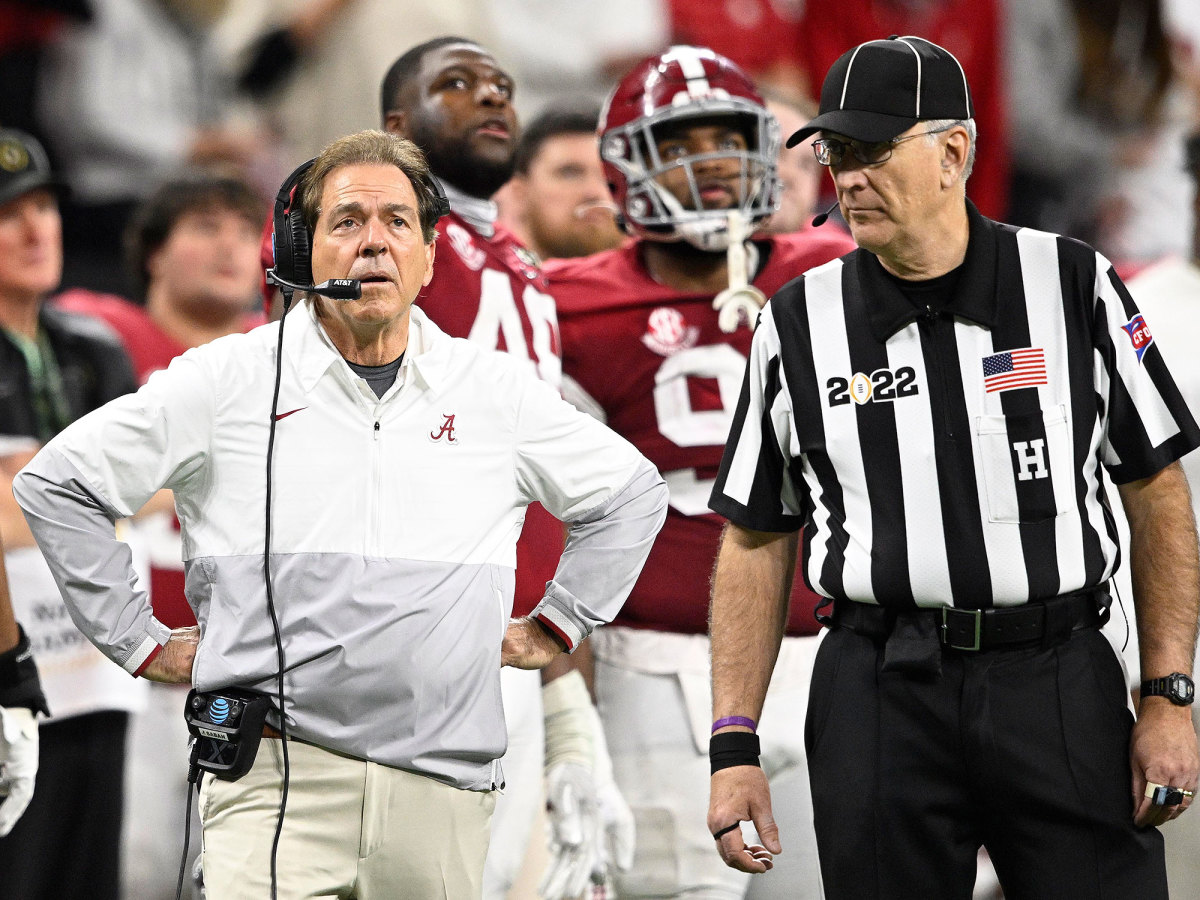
946 639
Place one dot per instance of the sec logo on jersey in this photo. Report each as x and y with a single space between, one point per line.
667 332
464 246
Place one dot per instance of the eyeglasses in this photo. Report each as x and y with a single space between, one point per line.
831 151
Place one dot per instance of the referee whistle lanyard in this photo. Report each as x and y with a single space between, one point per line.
739 303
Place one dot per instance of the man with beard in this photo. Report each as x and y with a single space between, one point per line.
452 98
656 333
557 201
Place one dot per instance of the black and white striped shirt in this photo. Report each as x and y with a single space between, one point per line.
952 458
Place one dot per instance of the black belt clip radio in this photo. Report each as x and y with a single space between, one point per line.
227 726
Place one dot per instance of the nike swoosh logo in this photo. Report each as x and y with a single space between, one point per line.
288 413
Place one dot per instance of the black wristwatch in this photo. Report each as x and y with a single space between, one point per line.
1176 687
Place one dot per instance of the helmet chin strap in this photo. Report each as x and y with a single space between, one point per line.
739 303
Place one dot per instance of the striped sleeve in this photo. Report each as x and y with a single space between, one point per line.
754 487
1149 425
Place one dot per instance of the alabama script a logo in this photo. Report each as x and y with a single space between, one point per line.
446 431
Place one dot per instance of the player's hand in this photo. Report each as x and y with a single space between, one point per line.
527 645
173 665
18 764
573 818
741 794
1162 750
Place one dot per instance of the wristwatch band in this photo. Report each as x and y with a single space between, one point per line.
1176 687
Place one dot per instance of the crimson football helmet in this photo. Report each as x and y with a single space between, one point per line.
686 83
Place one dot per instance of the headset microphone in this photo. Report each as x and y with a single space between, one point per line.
334 288
821 218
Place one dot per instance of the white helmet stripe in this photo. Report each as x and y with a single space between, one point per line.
692 68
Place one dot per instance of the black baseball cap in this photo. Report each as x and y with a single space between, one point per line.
23 165
880 89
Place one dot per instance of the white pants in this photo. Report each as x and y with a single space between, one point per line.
517 805
657 724
352 829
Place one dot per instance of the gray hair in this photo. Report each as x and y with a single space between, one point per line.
934 125
372 147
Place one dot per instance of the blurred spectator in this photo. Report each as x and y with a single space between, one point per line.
1060 150
575 49
1129 85
1181 18
26 26
123 100
557 202
193 248
313 67
967 28
761 36
54 368
799 172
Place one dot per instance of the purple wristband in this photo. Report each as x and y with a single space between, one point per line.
734 720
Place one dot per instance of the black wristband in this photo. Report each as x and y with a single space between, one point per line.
733 748
19 682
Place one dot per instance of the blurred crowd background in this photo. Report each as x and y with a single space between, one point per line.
1083 108
1082 104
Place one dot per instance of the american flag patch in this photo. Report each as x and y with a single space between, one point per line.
1014 369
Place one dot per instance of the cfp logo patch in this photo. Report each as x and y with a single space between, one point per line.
1139 335
1030 459
880 385
445 433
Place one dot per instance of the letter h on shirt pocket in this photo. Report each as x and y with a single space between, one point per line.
1026 462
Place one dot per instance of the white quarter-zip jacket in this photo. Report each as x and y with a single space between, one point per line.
393 529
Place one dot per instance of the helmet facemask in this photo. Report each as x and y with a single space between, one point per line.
654 212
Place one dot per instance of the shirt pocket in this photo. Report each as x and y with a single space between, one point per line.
1026 463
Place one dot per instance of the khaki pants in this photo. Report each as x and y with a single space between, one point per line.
353 829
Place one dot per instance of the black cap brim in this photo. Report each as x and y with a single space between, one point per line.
35 181
856 124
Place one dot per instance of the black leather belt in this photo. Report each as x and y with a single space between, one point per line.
1044 622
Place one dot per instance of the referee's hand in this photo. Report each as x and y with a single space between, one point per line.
741 794
1163 751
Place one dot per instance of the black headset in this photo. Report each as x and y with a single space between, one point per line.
291 240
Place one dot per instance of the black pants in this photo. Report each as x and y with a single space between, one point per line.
1025 751
67 845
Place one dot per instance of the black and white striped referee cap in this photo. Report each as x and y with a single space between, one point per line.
882 88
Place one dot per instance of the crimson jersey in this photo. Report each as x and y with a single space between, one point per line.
491 291
668 379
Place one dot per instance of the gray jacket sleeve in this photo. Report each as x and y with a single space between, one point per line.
75 530
612 498
102 468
